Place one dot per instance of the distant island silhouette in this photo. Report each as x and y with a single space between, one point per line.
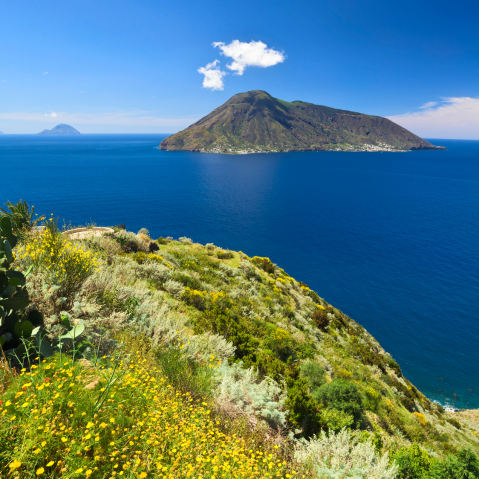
61 129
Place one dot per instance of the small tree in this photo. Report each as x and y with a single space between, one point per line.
343 396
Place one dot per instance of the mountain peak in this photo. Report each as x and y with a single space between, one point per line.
254 121
61 129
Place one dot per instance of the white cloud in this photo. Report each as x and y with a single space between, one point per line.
45 73
52 114
455 118
252 54
213 76
429 104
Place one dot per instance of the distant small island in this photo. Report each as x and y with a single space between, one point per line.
60 129
256 122
1 133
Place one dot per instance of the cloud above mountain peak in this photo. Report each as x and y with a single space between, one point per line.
243 54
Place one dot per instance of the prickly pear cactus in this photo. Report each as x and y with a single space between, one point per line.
13 293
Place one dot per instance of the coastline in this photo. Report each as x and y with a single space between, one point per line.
341 148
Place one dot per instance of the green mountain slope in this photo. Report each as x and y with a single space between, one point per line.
255 121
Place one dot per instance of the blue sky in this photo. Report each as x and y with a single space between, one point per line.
132 66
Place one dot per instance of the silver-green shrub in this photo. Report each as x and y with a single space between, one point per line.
156 272
242 388
341 455
227 269
174 288
185 240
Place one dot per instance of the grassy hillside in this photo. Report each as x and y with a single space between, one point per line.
197 361
255 121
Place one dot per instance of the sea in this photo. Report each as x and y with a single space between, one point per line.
391 239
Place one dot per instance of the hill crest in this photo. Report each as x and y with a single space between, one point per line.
255 121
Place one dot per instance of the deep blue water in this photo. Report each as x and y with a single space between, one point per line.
391 239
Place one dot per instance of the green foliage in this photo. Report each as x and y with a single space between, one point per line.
225 255
14 297
110 300
343 396
463 465
264 263
453 422
21 216
63 265
413 462
304 413
183 374
187 281
335 420
314 375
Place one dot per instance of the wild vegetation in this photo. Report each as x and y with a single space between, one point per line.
134 357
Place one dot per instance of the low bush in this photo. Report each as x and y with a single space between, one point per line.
314 374
187 280
131 247
130 242
244 390
463 465
321 319
174 288
341 456
225 255
185 240
152 247
413 462
343 396
62 264
264 263
453 422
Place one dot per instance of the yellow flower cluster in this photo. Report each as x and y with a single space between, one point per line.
74 421
141 257
52 253
420 418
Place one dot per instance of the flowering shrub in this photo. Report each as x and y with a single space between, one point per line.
63 264
194 297
420 418
64 419
140 257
